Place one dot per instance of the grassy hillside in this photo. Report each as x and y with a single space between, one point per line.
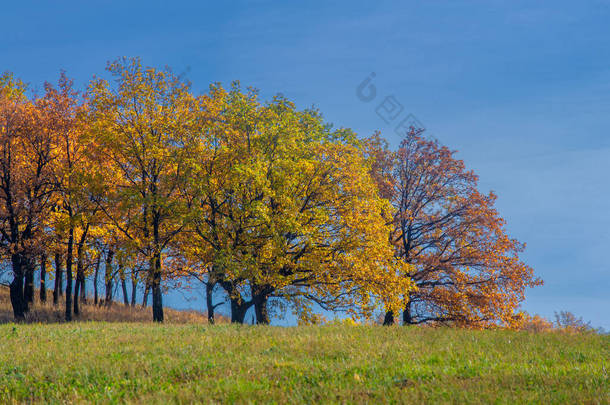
146 363
117 312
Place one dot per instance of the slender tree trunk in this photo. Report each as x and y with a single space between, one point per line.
109 277
124 286
80 276
157 296
70 253
156 289
83 290
43 278
389 319
28 288
95 278
209 291
134 289
146 293
76 295
57 292
16 288
125 296
75 309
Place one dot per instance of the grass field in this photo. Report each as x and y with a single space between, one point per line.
146 363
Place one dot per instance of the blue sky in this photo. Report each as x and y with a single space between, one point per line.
521 89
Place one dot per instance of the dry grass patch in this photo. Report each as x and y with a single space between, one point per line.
117 312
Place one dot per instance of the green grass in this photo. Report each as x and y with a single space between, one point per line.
146 363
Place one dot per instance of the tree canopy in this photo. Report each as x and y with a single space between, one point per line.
139 179
466 269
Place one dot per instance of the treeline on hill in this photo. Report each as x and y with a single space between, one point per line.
141 181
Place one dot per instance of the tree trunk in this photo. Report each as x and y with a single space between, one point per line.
83 290
134 289
69 275
80 278
389 319
28 288
16 288
407 318
157 300
76 293
95 278
43 278
261 297
260 308
124 286
239 309
157 296
57 292
109 277
209 290
156 289
146 292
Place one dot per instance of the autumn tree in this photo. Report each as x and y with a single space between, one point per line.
283 206
75 213
141 127
466 269
26 183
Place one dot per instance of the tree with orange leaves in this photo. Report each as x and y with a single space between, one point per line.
466 269
26 184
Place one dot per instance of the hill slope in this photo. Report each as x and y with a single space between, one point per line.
117 312
146 363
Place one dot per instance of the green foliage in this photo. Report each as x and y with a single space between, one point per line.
12 87
283 205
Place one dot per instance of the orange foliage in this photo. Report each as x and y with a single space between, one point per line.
467 270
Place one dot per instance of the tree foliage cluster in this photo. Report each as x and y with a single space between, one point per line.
139 182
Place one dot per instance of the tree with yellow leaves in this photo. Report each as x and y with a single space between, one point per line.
142 128
283 206
75 213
